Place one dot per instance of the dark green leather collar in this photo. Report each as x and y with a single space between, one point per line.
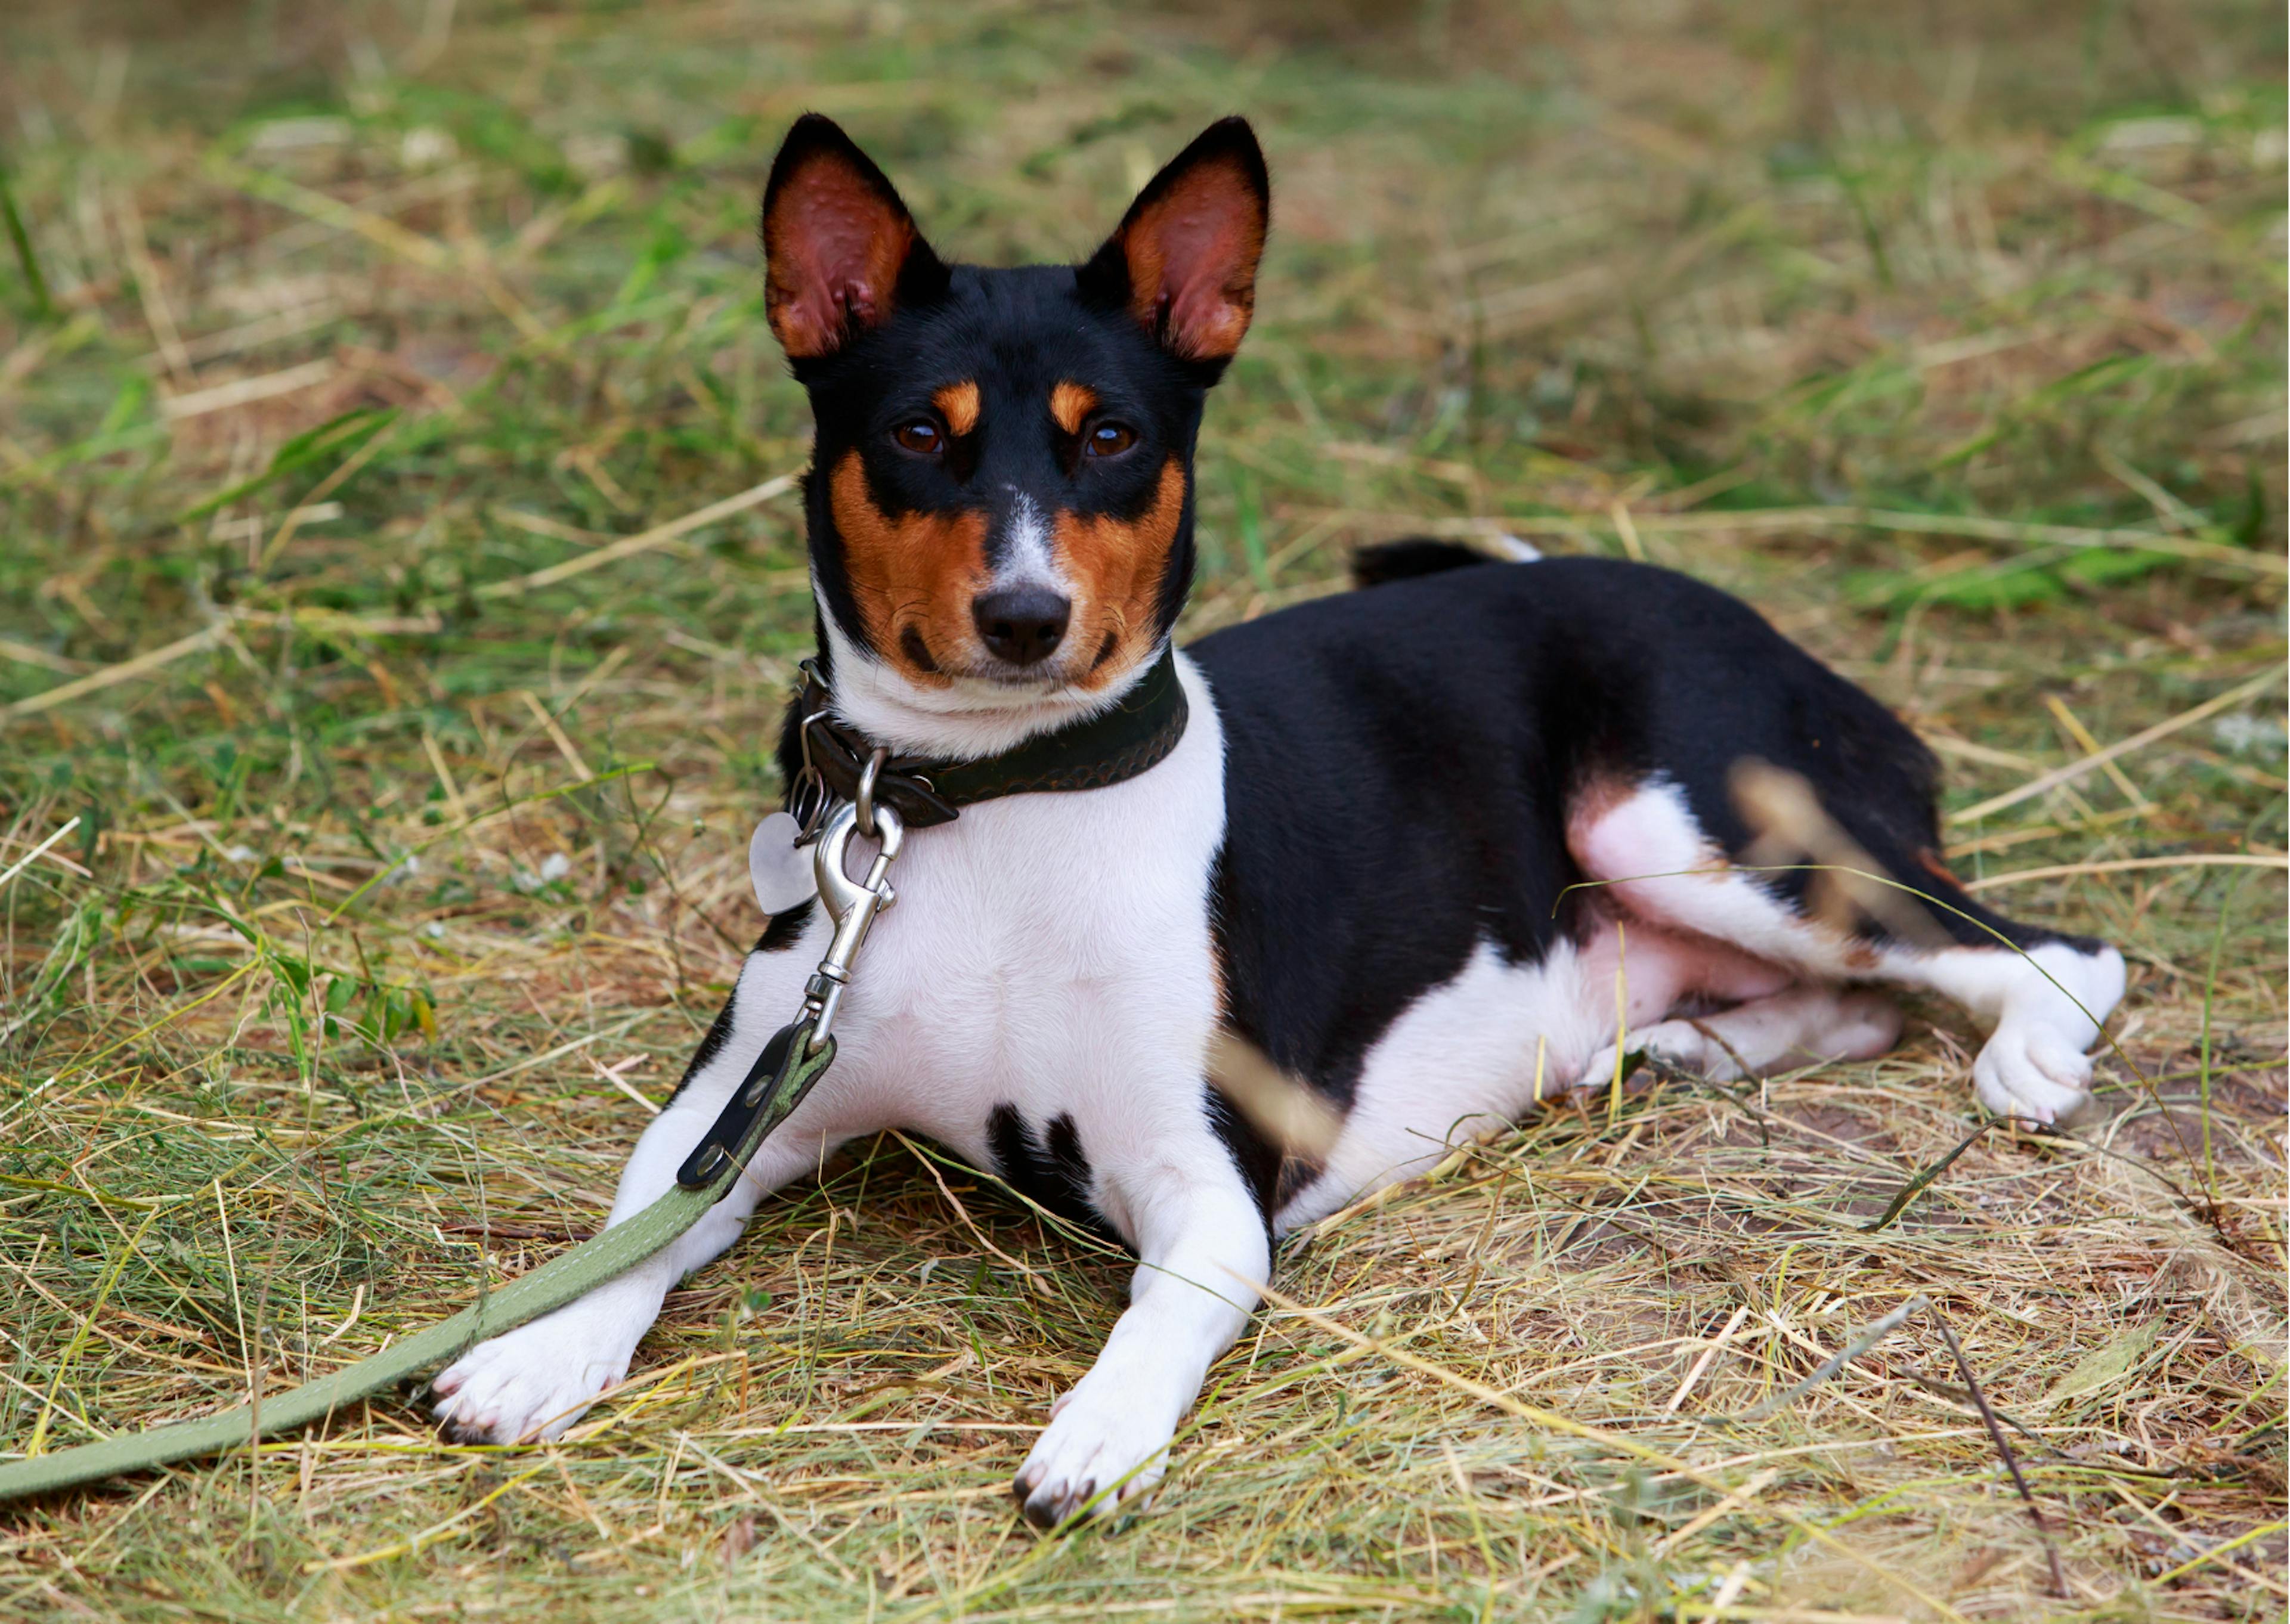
1137 732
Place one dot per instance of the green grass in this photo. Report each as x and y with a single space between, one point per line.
1950 336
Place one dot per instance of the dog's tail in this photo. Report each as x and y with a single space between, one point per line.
1413 556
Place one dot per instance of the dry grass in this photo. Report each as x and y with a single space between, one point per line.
1949 336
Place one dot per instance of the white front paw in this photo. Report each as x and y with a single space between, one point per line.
533 1381
2031 1071
1099 1441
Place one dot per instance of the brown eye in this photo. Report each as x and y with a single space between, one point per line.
1110 439
920 437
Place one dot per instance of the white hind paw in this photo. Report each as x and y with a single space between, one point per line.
2029 1070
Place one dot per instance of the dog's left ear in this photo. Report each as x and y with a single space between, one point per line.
1183 261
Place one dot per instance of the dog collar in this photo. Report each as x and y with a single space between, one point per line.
1134 734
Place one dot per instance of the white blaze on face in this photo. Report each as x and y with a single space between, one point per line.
1027 558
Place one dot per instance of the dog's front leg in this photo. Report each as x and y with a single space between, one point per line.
1203 1251
538 1378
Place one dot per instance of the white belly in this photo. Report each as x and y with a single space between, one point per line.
1497 1040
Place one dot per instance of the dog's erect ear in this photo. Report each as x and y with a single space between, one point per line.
840 251
1184 258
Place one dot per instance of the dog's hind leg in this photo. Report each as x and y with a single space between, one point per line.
1847 902
1805 1025
2048 1001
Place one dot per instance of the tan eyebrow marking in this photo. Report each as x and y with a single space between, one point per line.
1069 404
958 403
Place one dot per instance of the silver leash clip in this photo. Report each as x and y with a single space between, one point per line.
852 904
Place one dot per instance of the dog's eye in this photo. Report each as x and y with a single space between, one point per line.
921 436
1110 439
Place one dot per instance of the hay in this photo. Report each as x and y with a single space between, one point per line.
356 438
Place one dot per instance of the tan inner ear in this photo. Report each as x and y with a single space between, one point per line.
834 246
914 573
1117 564
1192 258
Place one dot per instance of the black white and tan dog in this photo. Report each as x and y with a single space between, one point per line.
1391 849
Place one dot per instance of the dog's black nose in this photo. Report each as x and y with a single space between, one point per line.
1023 624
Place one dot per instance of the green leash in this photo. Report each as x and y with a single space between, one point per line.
1139 731
776 1084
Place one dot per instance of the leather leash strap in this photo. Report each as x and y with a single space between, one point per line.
1133 734
529 1296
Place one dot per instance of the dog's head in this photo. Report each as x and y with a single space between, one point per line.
1001 502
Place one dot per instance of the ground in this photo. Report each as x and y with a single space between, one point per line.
399 588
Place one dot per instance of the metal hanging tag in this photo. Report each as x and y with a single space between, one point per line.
777 867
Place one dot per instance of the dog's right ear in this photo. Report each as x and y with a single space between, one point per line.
840 251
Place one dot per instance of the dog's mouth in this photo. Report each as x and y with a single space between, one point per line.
988 683
1004 665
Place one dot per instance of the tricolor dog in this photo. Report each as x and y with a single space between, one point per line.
1198 947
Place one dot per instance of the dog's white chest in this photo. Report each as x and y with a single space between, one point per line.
1047 952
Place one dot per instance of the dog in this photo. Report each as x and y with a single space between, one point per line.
1392 857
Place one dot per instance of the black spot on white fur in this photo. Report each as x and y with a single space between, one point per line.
1055 1173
